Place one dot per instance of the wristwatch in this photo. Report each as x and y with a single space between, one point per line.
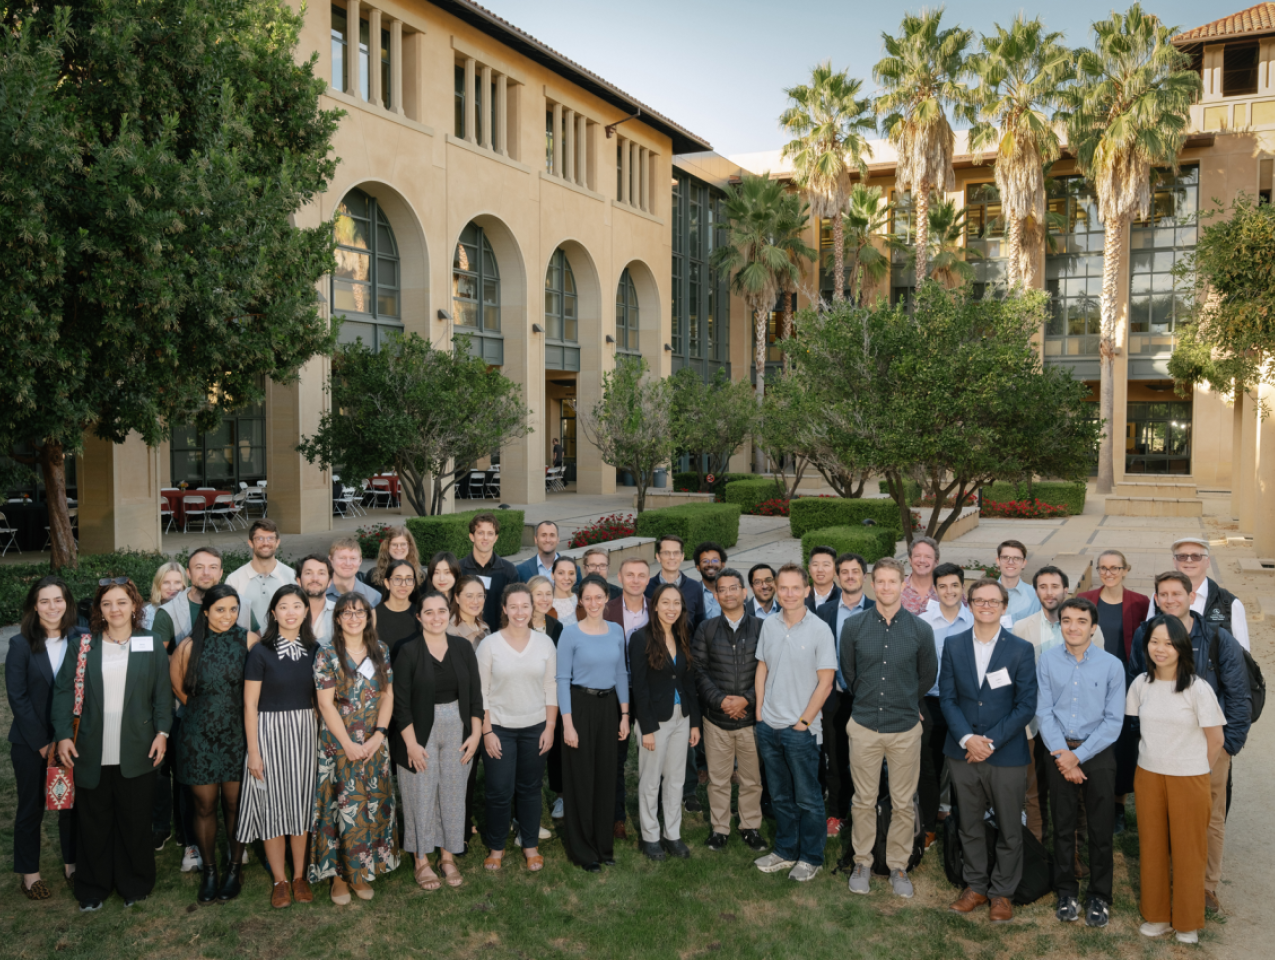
382 731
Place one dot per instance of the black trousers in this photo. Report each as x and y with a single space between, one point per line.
933 736
171 795
554 759
620 812
115 846
28 771
975 787
588 793
834 770
1098 793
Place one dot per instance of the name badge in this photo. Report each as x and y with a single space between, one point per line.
486 582
143 644
369 671
998 678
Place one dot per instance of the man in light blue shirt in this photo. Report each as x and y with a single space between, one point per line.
709 559
1010 559
1080 708
764 604
541 564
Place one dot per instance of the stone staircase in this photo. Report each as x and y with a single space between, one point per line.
1155 497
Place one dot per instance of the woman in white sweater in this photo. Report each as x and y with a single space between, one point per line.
516 666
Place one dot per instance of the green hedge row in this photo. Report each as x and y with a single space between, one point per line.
1053 492
911 489
450 532
872 543
749 493
815 513
694 523
689 480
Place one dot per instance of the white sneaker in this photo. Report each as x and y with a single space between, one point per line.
803 871
244 858
546 833
859 879
1155 929
557 809
1191 936
773 863
901 884
191 860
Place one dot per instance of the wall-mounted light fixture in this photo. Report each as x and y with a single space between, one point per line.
443 314
668 348
536 328
610 339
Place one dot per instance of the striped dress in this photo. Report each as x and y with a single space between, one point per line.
281 804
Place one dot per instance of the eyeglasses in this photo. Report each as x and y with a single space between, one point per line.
1109 571
269 539
759 582
705 562
672 554
1190 557
986 603
353 614
1005 560
597 567
115 581
402 581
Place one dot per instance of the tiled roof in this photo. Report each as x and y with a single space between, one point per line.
483 19
1254 20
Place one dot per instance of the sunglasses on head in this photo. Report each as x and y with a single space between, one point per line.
112 581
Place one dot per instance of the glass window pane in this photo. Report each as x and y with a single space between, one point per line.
351 297
465 313
491 292
353 266
386 302
358 331
351 231
386 273
491 319
465 286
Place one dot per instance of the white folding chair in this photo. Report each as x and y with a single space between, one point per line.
205 489
196 507
381 491
166 511
8 536
478 481
344 504
254 497
492 485
223 509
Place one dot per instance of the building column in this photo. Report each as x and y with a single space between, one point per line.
632 177
299 494
596 358
557 140
624 172
471 112
484 121
582 149
1264 498
353 58
644 179
1244 463
117 487
375 95
396 66
569 146
500 142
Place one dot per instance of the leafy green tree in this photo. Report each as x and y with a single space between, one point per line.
632 425
920 78
1127 113
429 414
711 420
952 396
152 153
830 124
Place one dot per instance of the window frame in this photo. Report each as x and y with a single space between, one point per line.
382 321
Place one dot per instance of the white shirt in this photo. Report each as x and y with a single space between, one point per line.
982 659
944 628
566 609
517 686
821 600
323 626
56 649
114 677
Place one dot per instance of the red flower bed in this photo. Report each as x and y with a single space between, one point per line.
617 526
1021 510
928 500
775 507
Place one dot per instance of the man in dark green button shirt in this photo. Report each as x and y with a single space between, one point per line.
888 661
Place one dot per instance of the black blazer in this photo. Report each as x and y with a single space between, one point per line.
652 690
553 627
28 680
834 597
414 691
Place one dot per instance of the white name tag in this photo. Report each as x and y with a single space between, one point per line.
143 644
998 678
486 582
369 671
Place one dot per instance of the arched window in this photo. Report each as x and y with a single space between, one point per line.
561 302
476 294
626 315
366 284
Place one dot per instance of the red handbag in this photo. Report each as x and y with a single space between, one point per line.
59 784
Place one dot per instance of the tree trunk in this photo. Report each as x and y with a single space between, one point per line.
1014 275
898 492
642 480
785 327
922 208
759 361
838 258
412 486
1107 353
64 552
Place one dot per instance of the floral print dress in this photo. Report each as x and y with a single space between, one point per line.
354 819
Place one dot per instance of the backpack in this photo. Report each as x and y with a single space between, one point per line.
1256 682
1037 879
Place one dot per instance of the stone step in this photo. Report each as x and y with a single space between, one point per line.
1180 488
1153 507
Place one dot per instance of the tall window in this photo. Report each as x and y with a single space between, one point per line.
985 236
1073 269
562 315
1239 68
626 315
385 69
366 284
339 49
365 77
233 453
1158 438
489 98
476 294
1156 245
701 305
903 227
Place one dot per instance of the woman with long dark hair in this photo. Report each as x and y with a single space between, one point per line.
565 598
283 743
443 572
396 614
666 709
208 678
469 596
354 817
48 634
1181 726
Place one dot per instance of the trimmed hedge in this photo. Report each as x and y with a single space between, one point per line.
694 523
872 543
749 493
815 513
1053 492
688 479
911 489
450 531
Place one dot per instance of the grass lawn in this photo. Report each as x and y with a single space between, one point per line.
715 905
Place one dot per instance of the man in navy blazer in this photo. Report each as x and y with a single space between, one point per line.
670 552
987 692
540 563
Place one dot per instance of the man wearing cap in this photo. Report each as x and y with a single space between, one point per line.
1213 603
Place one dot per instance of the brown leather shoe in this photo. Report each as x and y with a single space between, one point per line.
281 895
969 901
1002 910
929 839
620 833
301 891
1211 902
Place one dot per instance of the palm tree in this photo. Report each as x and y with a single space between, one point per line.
1127 114
1023 72
829 123
865 217
944 248
791 224
920 77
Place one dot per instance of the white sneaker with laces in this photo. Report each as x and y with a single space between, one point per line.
1155 929
901 884
803 871
773 863
191 860
859 879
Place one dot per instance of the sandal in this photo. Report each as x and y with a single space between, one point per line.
494 862
535 862
453 877
427 879
37 891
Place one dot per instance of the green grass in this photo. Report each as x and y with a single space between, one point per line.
715 905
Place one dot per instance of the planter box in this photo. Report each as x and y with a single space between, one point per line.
641 548
656 499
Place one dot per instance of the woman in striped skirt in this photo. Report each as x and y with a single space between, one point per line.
283 743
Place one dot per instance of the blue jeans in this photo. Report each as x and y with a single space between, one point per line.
513 781
791 761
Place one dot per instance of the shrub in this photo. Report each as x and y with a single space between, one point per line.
694 523
371 538
1021 510
778 507
814 513
911 490
687 481
872 543
450 531
617 526
1053 492
749 493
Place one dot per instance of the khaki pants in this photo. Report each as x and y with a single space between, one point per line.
1217 820
723 749
902 751
1173 819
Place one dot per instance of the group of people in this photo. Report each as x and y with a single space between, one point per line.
295 700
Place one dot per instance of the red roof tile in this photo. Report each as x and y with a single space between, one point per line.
1254 20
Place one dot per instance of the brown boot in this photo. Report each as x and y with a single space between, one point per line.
619 832
1002 910
969 901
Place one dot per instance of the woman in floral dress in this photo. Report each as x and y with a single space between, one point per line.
354 804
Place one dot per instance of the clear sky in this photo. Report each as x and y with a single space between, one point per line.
720 68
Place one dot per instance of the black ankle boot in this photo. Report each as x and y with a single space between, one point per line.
208 883
232 882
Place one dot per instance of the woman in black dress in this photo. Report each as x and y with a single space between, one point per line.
396 614
207 675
